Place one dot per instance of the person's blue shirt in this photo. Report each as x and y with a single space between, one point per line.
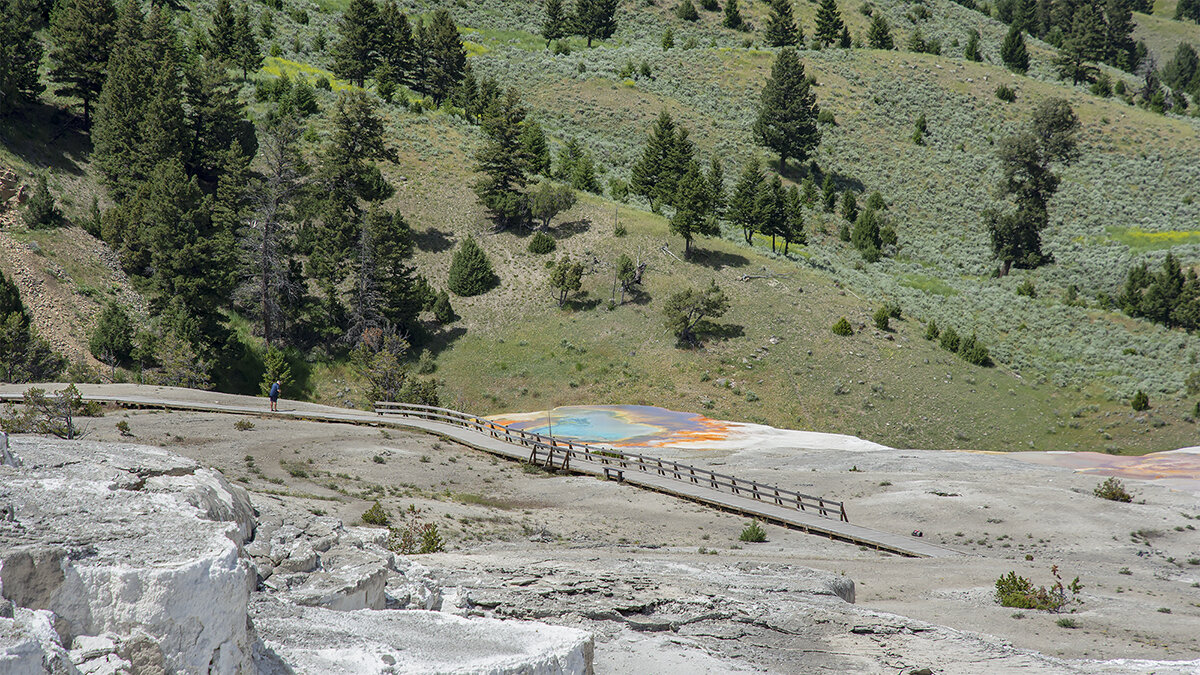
274 389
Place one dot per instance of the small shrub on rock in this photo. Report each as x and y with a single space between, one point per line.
1019 592
753 532
1113 489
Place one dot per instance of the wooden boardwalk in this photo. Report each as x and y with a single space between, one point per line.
814 515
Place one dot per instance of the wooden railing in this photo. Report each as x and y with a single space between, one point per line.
556 453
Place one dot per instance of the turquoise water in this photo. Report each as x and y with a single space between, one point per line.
627 424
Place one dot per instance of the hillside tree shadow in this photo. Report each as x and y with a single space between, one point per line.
47 136
432 240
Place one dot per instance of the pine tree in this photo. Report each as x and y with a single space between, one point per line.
828 194
716 187
787 118
555 26
1188 9
692 208
503 163
82 33
1026 160
215 119
356 55
744 202
781 28
1118 44
1182 72
397 47
119 110
222 39
773 209
191 264
535 148
793 224
445 58
656 173
266 241
40 212
595 19
733 16
685 310
687 11
247 53
163 131
111 340
470 270
865 235
24 355
849 206
1085 43
1013 51
668 39
566 277
387 292
879 35
829 23
20 54
972 53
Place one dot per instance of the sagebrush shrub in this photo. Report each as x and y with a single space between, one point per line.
753 532
1113 490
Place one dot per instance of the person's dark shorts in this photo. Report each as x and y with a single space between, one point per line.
274 398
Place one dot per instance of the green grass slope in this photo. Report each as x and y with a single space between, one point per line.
1064 372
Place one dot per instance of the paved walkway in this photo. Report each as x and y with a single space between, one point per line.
133 395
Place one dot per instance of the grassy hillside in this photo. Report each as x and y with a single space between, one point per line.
1065 372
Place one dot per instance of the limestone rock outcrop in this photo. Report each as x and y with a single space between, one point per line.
129 560
110 542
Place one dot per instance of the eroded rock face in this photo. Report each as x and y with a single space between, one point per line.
129 541
316 640
128 560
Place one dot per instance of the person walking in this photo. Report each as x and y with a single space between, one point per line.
274 394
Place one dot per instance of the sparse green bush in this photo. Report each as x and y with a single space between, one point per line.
243 425
753 532
1005 93
1140 401
541 243
41 211
1112 489
1027 289
949 339
931 330
842 327
881 318
123 428
1019 592
414 535
376 515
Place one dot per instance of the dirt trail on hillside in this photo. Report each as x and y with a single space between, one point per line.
62 313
